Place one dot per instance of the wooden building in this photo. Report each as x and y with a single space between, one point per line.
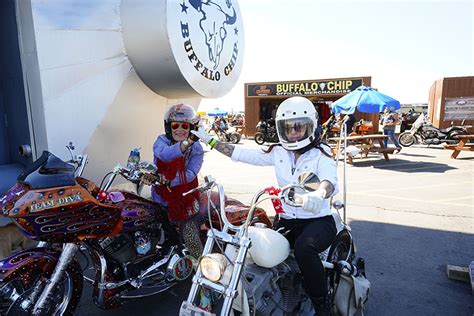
263 98
451 100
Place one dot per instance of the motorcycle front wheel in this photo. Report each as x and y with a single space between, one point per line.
406 139
259 138
342 248
234 138
15 294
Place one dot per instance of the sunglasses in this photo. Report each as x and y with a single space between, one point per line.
296 127
176 125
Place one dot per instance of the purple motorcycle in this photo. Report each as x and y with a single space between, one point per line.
134 248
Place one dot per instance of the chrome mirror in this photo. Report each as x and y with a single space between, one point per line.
309 181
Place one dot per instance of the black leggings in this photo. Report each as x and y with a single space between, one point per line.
309 237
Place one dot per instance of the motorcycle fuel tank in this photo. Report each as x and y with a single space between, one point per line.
269 248
138 212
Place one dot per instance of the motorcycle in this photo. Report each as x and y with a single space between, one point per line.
331 130
225 135
255 273
135 250
424 132
266 132
408 119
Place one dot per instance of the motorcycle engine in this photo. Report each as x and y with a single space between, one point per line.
125 247
272 290
429 133
142 243
262 290
432 141
120 248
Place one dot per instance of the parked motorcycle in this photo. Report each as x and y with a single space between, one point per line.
331 130
225 135
408 119
424 132
255 273
266 132
135 250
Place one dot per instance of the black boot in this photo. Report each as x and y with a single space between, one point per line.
322 306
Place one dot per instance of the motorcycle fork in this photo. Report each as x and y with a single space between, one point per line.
230 292
67 255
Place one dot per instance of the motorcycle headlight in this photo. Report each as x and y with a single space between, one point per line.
213 266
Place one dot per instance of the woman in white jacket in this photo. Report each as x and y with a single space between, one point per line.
311 227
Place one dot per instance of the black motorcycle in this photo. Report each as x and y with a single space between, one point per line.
408 119
425 133
266 132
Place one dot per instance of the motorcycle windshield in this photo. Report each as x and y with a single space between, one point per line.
48 171
419 121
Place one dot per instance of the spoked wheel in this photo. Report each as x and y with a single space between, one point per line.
234 138
19 295
406 139
259 138
341 249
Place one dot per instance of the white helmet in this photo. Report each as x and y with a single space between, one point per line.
297 123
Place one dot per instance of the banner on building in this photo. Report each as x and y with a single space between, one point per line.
459 109
304 88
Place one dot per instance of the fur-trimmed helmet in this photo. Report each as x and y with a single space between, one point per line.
181 113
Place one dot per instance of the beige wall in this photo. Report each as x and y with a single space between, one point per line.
134 119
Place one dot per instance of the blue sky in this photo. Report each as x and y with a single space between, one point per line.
403 45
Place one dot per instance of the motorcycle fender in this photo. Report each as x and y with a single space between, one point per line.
44 259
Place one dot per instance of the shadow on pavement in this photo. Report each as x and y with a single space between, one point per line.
163 304
416 155
404 165
407 269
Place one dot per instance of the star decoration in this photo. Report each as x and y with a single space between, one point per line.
236 31
184 8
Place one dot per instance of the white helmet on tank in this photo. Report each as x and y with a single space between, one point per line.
297 123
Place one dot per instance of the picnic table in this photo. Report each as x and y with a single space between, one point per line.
366 144
461 146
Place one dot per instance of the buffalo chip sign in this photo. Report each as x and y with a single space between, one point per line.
304 88
184 48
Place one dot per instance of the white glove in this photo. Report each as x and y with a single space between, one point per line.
313 202
203 135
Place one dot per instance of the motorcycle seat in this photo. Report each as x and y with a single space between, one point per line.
445 130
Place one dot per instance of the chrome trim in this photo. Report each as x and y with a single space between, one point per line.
66 257
103 269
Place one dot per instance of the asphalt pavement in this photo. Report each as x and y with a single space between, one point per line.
410 216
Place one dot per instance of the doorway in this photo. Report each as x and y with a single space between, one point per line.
14 124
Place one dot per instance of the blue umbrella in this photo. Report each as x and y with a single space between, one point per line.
364 99
217 112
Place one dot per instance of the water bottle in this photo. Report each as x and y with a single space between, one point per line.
133 158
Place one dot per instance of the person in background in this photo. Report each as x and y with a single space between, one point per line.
311 229
389 123
350 123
